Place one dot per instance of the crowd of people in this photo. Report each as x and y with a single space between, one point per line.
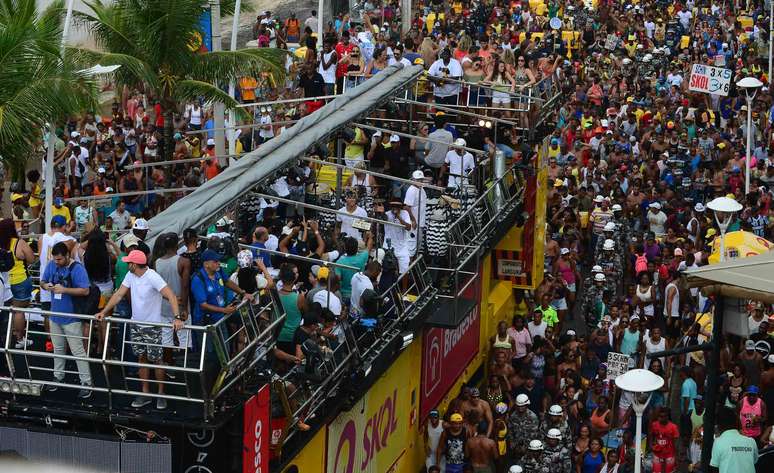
633 158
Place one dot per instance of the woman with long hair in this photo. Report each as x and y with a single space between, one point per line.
98 254
503 84
18 276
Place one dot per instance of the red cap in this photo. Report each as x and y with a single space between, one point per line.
136 257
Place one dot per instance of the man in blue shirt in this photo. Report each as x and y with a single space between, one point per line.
66 279
208 288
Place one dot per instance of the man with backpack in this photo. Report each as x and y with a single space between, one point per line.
67 280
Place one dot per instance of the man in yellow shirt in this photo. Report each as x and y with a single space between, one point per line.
61 209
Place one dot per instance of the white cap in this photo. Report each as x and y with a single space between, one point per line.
564 251
515 469
140 224
596 268
394 138
101 170
555 410
417 175
570 333
211 142
223 221
599 198
554 434
522 400
535 445
770 358
460 142
74 134
655 205
609 227
608 245
617 207
604 123
599 277
699 207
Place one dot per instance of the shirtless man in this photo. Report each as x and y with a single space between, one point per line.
503 369
482 451
476 411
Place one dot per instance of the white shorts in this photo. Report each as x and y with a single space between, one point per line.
403 262
500 98
411 244
559 304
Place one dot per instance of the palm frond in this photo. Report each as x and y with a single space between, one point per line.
189 90
223 66
133 71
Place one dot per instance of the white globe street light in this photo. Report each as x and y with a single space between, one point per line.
724 209
750 86
639 382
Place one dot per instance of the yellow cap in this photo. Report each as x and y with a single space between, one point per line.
558 183
711 233
630 99
731 196
721 145
456 417
323 273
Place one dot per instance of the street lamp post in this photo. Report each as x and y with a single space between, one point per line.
724 209
640 382
750 86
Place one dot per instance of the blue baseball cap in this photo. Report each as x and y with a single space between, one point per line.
753 390
58 221
210 255
58 201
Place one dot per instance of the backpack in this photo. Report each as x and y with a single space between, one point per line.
640 264
88 304
6 260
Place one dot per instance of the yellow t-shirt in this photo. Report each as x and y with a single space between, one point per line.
63 211
355 150
36 191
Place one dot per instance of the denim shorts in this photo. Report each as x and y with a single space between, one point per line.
23 291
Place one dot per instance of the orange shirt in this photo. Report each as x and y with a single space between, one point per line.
247 85
211 168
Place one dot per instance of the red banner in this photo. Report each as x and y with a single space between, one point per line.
446 353
256 436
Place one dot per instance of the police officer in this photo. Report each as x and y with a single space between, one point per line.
555 420
555 454
591 298
612 266
588 281
608 233
523 425
534 460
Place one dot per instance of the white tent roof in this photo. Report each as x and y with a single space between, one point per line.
755 273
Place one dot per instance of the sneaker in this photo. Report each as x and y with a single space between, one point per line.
170 375
141 401
161 404
84 393
49 388
23 343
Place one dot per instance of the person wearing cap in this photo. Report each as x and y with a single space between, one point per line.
397 236
459 163
77 162
210 165
732 452
446 67
612 266
45 243
555 420
523 426
555 454
66 279
482 451
752 362
656 219
452 444
147 289
84 214
222 227
209 291
599 218
432 436
61 209
415 201
140 230
534 458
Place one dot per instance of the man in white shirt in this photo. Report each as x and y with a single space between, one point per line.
537 327
266 132
446 92
416 202
656 219
360 282
147 289
650 28
353 212
120 216
312 22
397 236
685 17
458 163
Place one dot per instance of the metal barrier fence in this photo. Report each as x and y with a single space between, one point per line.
208 360
304 389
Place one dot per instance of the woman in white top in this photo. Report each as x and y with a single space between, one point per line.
645 295
654 342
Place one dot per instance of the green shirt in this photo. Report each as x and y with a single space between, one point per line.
732 452
549 315
121 270
358 260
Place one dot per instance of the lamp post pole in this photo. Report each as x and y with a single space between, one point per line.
749 142
50 152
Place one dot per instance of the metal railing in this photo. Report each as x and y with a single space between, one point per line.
304 389
207 360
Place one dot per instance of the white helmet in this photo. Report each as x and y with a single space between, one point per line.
522 400
535 445
608 245
596 268
554 434
555 410
626 61
515 469
599 277
617 207
647 58
609 227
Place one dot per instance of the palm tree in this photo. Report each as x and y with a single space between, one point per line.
37 83
151 40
